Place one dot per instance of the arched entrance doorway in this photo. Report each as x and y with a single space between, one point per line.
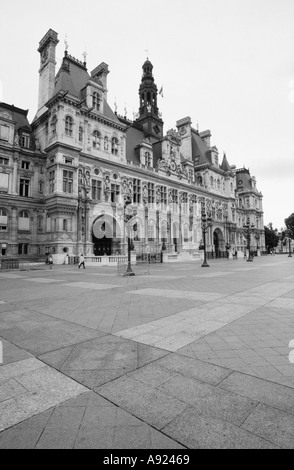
106 236
218 242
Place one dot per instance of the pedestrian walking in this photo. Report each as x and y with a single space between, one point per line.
82 261
245 255
50 261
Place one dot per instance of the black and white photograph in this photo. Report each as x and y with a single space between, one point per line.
147 228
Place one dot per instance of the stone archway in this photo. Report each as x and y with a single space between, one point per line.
218 242
106 236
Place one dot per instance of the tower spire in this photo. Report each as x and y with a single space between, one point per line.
148 109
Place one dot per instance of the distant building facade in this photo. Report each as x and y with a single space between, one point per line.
65 178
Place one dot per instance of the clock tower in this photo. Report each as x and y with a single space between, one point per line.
149 117
47 47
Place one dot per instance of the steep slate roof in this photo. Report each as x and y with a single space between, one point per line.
244 175
71 77
18 115
109 113
200 149
135 136
225 164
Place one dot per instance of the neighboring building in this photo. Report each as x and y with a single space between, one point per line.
65 178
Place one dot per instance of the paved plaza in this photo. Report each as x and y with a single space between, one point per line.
176 357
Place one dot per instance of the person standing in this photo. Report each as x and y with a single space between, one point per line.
82 261
50 261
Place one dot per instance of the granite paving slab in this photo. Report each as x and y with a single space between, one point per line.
42 388
196 430
272 425
151 405
263 391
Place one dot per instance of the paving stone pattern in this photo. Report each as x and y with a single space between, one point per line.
174 358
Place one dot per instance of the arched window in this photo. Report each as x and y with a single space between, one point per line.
24 221
186 233
151 230
114 146
96 140
3 220
68 126
211 181
53 124
64 225
96 101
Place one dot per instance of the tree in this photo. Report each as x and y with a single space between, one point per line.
271 237
289 222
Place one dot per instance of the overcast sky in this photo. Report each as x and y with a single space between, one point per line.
228 64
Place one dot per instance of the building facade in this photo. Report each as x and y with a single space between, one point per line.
65 178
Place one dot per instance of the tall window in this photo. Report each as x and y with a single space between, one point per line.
148 159
194 203
64 225
114 146
24 221
24 187
53 124
136 191
4 161
68 126
184 202
3 220
186 233
67 181
96 140
4 132
151 196
96 101
51 181
115 192
96 190
175 199
25 165
4 177
151 230
23 248
80 134
25 140
163 196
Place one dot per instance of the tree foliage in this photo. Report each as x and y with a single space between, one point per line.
271 237
289 222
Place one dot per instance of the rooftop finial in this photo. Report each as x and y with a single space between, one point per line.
146 50
66 43
85 56
115 106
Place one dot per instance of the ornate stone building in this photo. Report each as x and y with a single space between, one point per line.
65 177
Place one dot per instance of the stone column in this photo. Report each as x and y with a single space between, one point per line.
13 228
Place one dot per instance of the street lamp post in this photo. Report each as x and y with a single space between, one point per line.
248 229
128 215
289 233
205 224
